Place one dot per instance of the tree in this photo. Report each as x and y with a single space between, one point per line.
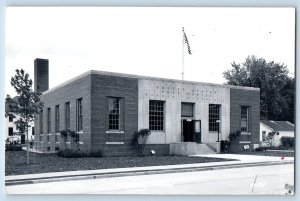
27 105
140 137
277 89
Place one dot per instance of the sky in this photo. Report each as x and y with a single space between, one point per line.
145 41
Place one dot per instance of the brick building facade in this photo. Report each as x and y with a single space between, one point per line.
107 108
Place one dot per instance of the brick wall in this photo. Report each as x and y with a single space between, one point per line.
78 88
103 87
250 98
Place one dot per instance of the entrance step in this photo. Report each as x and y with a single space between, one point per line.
203 149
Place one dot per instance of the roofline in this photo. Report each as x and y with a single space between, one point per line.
148 78
277 130
267 126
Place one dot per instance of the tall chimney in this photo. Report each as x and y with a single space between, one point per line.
41 75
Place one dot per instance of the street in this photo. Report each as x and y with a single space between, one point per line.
262 180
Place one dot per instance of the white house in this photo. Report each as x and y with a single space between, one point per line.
284 128
11 127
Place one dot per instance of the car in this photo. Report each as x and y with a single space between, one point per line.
13 140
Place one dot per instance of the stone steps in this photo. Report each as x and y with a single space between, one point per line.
203 149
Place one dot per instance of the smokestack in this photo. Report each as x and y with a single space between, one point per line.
41 75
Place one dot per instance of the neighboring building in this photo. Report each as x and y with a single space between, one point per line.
11 127
107 108
284 128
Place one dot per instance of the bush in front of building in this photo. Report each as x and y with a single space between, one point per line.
13 147
140 138
74 137
287 142
70 153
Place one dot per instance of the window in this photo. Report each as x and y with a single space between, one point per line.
264 136
48 148
49 120
32 131
10 131
79 114
156 115
57 119
67 115
214 116
244 118
114 113
10 119
41 122
187 110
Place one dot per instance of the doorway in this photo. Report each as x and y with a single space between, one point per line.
191 130
188 130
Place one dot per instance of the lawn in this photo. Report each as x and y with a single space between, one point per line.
270 153
15 162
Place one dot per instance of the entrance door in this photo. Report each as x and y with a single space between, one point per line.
197 131
188 130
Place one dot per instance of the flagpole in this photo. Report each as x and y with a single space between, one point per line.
182 73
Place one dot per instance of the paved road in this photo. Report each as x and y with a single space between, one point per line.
269 180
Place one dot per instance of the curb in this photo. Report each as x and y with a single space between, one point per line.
138 172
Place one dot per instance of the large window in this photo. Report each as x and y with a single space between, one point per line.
79 114
41 122
156 115
49 120
244 118
187 110
67 115
10 131
214 117
57 119
114 113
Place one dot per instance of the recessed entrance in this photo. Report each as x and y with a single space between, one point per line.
191 130
188 130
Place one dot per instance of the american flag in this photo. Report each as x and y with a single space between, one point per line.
187 42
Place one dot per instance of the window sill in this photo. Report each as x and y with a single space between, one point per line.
114 131
49 134
245 133
57 142
114 142
245 142
156 131
80 132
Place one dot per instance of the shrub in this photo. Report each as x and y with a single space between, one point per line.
69 153
234 135
260 149
287 142
12 147
96 153
64 135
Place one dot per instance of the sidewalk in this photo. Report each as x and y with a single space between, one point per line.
243 161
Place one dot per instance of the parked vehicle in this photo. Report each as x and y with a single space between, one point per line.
13 140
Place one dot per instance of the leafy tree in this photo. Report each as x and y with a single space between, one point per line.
140 137
277 89
27 105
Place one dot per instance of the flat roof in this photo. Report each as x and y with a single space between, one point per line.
147 78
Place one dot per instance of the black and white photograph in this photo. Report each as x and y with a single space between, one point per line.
150 100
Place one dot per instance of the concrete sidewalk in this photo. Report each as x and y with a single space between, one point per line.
242 161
